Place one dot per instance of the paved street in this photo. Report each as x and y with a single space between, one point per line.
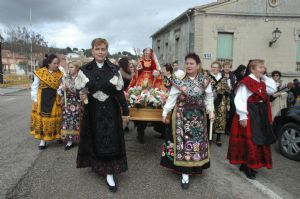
28 173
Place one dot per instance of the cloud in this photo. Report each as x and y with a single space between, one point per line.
125 23
16 12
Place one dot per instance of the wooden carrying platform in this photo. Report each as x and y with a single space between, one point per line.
145 114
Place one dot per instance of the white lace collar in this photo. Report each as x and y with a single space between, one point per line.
217 76
253 77
100 64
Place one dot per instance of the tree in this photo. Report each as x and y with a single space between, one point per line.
20 40
69 50
87 52
122 54
54 50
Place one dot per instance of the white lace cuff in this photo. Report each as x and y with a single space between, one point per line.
117 81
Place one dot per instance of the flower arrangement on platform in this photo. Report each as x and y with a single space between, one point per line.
146 98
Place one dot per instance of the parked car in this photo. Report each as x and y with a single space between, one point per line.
286 126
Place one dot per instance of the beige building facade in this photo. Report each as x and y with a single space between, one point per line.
235 31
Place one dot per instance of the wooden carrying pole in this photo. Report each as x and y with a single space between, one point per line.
211 122
65 92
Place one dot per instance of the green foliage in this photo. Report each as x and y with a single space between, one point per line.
118 55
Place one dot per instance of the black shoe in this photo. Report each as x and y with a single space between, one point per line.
243 167
218 143
112 188
42 147
218 140
253 171
250 174
185 185
126 129
68 147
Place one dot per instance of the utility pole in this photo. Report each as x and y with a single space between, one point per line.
31 63
1 66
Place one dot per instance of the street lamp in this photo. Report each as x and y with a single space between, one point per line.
276 35
1 67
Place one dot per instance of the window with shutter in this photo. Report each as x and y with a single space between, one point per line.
225 47
298 55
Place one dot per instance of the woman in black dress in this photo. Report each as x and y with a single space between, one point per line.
102 145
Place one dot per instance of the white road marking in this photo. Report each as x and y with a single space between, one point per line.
264 189
9 99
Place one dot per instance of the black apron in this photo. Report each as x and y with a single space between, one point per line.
262 133
47 101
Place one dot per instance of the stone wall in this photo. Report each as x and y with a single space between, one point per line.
251 40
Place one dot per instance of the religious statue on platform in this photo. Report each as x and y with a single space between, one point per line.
147 74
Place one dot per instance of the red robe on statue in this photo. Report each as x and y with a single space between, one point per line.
242 149
144 76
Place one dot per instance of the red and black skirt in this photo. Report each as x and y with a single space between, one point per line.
251 145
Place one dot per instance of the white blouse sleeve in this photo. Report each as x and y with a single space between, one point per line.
59 90
229 83
209 99
171 101
270 84
34 88
240 101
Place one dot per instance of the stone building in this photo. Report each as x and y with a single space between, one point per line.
236 31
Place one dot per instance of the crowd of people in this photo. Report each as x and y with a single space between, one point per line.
87 106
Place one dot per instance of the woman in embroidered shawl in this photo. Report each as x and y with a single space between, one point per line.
71 107
186 148
46 108
222 93
102 145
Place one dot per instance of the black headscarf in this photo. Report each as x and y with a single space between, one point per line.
238 73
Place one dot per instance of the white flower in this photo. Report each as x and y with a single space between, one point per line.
133 97
99 95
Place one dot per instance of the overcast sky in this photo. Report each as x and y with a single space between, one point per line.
125 23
